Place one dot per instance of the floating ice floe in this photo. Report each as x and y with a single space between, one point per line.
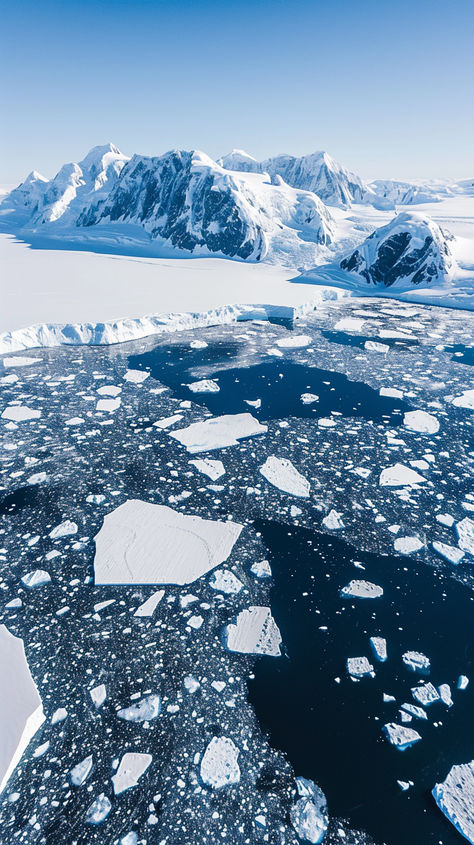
309 815
37 578
379 648
136 376
213 469
109 390
400 736
465 400
218 432
359 667
165 422
131 768
20 413
254 632
349 324
455 798
421 421
145 710
445 695
465 534
375 346
224 581
283 474
219 766
108 404
261 569
21 710
425 694
399 475
98 810
309 398
392 392
463 682
450 553
142 543
294 341
98 695
415 711
81 771
407 545
333 521
361 590
205 385
19 361
254 403
149 606
64 529
416 661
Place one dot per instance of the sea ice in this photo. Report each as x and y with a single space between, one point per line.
98 810
414 710
218 432
379 648
463 681
465 400
361 590
333 521
213 469
282 474
108 404
465 533
98 695
450 553
224 581
399 475
64 529
21 710
254 632
81 771
455 798
425 694
131 768
407 545
349 324
309 815
20 413
445 694
392 392
416 661
400 736
421 421
37 578
145 710
142 543
219 766
294 341
136 376
261 569
204 386
149 606
359 667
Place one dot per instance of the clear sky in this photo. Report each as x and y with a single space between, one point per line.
385 86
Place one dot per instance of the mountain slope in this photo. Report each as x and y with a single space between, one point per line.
319 173
241 161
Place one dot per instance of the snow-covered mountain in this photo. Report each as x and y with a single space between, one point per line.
388 193
194 204
320 174
409 251
241 161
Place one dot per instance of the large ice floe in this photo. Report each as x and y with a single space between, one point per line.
218 432
254 632
219 766
142 543
309 815
131 768
455 798
283 474
400 736
21 709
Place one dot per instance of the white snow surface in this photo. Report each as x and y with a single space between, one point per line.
142 543
455 798
21 710
254 632
283 474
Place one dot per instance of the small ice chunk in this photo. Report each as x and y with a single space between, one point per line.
392 392
213 469
309 815
294 341
425 694
361 590
136 376
165 422
109 390
416 661
379 648
349 324
400 475
254 403
64 529
81 771
309 398
204 386
463 681
98 695
407 545
414 710
388 698
333 521
131 768
219 766
445 694
191 684
359 667
421 421
149 606
282 474
400 736
261 569
198 344
224 581
455 796
98 810
218 432
445 519
37 578
254 632
20 413
375 346
145 710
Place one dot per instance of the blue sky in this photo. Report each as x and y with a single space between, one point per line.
386 87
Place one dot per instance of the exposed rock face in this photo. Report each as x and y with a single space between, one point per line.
410 250
319 173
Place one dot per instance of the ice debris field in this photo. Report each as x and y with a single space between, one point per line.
236 584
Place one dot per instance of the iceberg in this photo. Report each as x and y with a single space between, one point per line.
361 590
400 736
455 798
254 632
309 815
131 768
282 474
